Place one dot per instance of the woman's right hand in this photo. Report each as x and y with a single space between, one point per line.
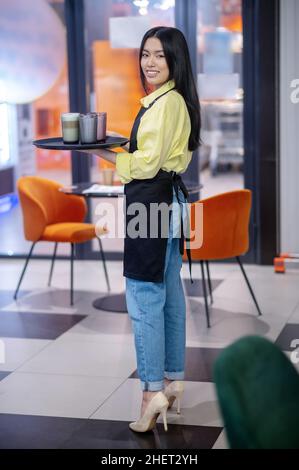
115 134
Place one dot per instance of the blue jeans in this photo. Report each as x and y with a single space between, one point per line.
158 314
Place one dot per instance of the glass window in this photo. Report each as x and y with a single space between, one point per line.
220 84
33 94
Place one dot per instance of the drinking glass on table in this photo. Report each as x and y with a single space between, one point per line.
108 176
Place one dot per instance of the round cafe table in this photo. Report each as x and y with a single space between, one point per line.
112 302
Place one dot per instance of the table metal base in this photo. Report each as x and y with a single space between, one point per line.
117 302
112 303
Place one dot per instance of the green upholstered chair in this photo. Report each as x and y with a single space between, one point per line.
258 392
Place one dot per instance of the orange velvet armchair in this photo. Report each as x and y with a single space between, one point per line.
50 215
225 234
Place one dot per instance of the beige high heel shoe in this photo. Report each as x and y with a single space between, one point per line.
174 391
158 404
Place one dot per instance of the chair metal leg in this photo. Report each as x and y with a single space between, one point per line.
24 269
209 281
72 273
205 293
104 264
248 284
52 264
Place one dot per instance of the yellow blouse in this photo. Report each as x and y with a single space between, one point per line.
162 138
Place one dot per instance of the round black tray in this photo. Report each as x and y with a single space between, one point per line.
56 143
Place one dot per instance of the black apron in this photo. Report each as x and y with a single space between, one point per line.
144 258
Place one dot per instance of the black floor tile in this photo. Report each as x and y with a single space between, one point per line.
288 334
4 374
36 325
103 434
198 364
196 289
35 432
43 432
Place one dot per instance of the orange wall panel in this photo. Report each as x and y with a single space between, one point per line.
117 87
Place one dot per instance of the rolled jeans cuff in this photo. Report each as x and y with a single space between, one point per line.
152 386
175 375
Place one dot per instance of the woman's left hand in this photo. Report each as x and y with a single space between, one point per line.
107 155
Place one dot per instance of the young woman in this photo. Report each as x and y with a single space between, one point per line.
164 134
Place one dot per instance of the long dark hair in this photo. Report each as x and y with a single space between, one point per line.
178 60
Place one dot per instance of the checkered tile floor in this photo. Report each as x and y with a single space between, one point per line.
68 376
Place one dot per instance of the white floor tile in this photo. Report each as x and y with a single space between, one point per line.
221 442
227 326
207 343
272 296
294 318
84 358
19 350
103 328
54 395
56 301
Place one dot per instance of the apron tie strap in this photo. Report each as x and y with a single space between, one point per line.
179 184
